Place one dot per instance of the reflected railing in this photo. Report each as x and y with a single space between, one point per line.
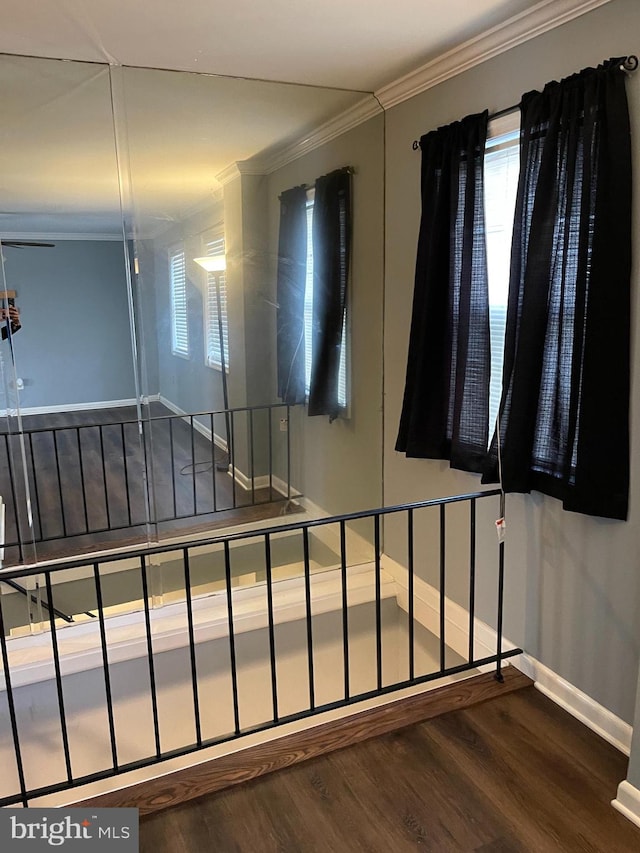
218 662
98 478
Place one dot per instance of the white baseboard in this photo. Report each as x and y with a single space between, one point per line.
242 479
581 706
218 440
628 802
69 407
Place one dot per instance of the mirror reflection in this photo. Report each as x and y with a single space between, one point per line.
166 291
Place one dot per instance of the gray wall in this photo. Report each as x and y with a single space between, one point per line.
75 342
338 465
573 582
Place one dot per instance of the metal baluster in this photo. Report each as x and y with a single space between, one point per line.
58 676
232 640
499 676
82 483
152 675
213 464
35 485
272 644
105 667
442 585
193 467
307 594
472 576
232 457
376 538
192 647
57 457
126 473
104 478
410 568
251 459
345 610
271 454
288 453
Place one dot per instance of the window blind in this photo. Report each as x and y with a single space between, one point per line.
178 285
501 168
216 285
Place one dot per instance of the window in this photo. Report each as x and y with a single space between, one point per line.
216 317
308 317
501 169
178 286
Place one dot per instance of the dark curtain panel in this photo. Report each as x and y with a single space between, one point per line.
292 270
445 412
331 251
565 402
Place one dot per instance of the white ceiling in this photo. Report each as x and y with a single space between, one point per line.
57 173
354 44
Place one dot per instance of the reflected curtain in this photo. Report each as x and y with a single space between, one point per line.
291 276
331 255
565 402
445 410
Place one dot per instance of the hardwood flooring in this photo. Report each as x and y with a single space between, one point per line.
516 774
87 485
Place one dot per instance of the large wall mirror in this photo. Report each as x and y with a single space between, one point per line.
141 221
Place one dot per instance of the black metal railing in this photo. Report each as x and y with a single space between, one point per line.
423 555
102 477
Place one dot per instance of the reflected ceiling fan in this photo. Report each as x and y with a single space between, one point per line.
23 244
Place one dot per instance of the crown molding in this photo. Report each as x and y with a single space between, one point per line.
542 17
234 170
365 109
228 174
520 28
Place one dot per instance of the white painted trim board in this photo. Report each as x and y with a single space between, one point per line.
627 802
581 706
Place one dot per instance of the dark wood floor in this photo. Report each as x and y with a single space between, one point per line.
516 773
87 486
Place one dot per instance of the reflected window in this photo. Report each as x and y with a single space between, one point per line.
216 316
178 286
308 317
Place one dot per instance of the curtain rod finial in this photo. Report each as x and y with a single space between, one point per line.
630 63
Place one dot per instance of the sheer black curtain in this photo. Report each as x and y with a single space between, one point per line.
445 411
565 402
291 277
331 254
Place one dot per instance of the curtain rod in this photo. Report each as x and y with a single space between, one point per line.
629 64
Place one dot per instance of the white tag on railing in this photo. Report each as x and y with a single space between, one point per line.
501 529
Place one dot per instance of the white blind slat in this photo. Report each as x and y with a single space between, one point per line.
216 283
501 169
178 285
